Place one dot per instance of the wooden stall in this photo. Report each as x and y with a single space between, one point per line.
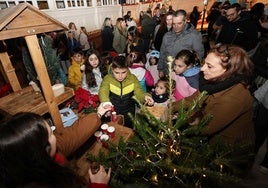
26 21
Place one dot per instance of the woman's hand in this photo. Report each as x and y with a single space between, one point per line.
149 101
101 176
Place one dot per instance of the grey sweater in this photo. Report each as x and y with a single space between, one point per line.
173 43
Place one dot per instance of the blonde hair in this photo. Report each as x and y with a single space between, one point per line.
119 25
106 23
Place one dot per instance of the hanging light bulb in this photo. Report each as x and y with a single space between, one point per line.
221 167
154 178
161 136
174 171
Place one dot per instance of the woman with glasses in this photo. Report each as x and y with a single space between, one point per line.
225 76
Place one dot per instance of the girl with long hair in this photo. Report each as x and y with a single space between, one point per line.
27 156
94 72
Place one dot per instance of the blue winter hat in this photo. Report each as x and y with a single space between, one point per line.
154 53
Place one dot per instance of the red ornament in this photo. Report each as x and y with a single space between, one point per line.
131 153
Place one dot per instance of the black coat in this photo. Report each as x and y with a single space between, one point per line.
242 32
107 37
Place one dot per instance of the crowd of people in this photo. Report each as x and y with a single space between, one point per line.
133 64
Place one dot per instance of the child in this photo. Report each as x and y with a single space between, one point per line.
119 87
93 74
72 42
136 61
74 72
106 59
186 74
151 65
160 94
83 40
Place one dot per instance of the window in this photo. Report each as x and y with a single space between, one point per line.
11 3
3 5
106 2
60 4
30 2
89 3
42 4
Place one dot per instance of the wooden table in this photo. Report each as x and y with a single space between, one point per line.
120 131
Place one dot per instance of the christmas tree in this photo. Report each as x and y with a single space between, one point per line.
173 154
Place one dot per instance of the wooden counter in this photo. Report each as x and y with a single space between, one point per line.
120 131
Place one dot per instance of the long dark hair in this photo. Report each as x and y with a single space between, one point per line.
163 24
24 156
90 77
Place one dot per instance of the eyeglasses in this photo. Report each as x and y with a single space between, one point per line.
223 51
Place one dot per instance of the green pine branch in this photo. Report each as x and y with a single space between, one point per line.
178 156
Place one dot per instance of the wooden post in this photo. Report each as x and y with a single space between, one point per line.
10 71
40 67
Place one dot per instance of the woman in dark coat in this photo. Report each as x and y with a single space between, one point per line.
107 35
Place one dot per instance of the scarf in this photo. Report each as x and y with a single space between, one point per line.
214 87
160 98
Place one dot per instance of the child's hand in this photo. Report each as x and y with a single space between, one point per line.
82 67
149 101
104 107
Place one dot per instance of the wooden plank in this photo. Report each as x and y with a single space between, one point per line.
13 19
26 31
25 100
40 67
9 71
28 18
